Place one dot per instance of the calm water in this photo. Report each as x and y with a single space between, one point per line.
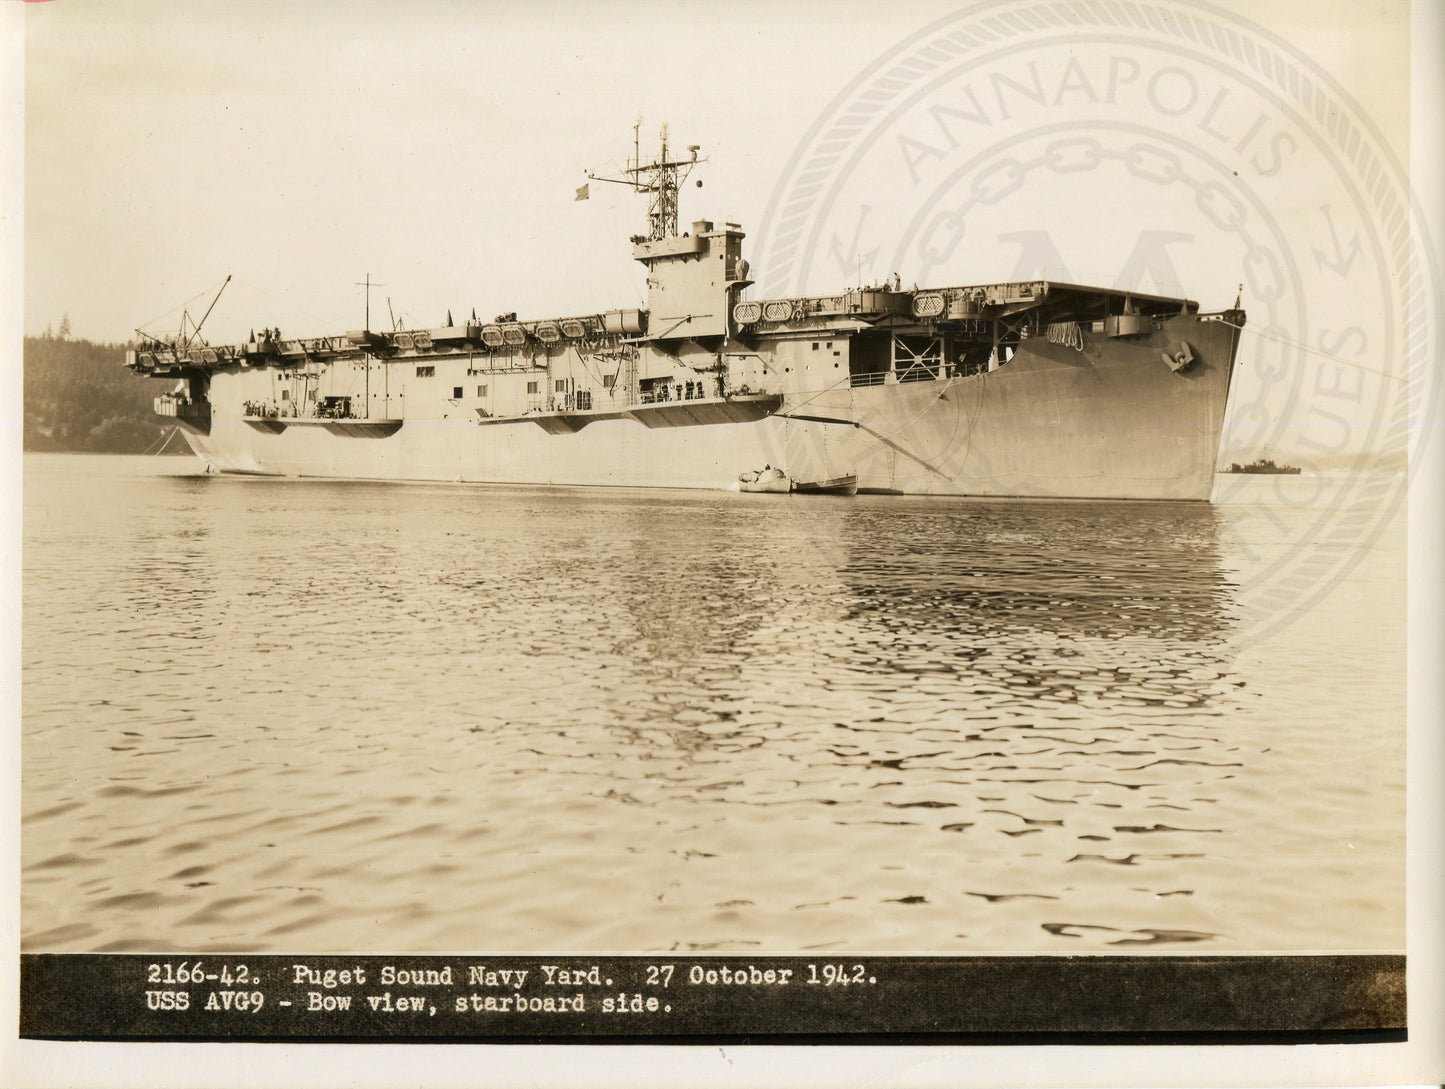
277 715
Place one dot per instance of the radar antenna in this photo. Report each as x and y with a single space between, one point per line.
660 179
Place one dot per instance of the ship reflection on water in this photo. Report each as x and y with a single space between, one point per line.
332 716
1026 696
994 609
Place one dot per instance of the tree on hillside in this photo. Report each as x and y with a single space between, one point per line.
80 397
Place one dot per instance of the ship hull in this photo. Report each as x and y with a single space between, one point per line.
1110 419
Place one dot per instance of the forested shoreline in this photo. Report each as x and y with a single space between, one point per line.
79 397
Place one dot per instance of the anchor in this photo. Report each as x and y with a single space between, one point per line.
1181 359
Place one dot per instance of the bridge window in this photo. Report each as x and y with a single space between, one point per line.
559 386
481 391
534 387
456 393
426 372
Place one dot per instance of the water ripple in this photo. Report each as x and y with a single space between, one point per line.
282 715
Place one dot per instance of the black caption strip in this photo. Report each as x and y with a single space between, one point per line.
710 998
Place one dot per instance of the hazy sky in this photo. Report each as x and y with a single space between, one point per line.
436 145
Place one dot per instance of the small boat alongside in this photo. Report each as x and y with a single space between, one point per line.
769 479
766 479
836 485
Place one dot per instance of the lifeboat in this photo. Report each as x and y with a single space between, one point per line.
836 485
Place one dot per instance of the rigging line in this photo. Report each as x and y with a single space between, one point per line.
886 437
172 310
1288 342
819 391
325 322
152 446
167 442
982 389
816 394
594 367
886 441
947 385
616 228
587 364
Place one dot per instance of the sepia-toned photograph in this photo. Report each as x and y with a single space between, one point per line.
691 520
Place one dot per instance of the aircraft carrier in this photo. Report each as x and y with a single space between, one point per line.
1032 388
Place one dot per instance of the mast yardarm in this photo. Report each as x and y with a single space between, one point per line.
660 179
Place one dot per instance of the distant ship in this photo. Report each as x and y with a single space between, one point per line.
1263 465
1033 388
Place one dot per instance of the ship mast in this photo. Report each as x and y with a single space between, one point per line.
660 179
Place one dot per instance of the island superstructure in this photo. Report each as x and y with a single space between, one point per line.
1025 388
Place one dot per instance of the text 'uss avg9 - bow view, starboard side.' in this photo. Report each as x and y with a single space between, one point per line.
1032 388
